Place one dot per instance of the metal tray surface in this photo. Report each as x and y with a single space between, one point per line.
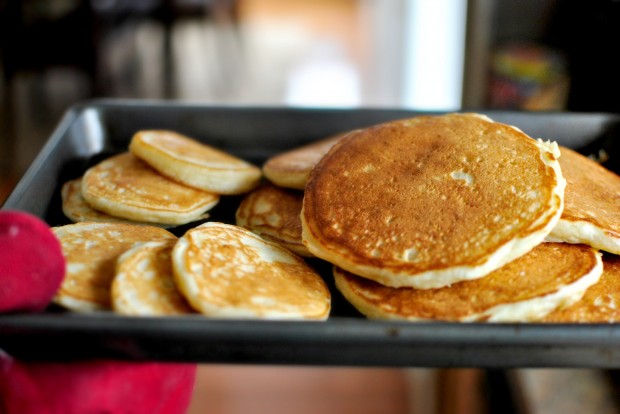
93 130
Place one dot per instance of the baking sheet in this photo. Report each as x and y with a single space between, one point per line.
92 131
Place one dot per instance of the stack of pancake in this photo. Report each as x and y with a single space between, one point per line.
166 179
215 269
458 218
273 210
119 258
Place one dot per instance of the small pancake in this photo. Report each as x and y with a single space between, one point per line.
550 276
77 209
193 163
123 186
591 200
91 251
227 271
144 286
291 169
433 200
600 303
273 213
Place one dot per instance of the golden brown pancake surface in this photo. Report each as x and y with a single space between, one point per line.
429 201
91 250
273 213
227 271
193 163
523 290
600 303
126 187
591 203
291 169
143 284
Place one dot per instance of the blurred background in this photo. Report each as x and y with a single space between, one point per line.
535 55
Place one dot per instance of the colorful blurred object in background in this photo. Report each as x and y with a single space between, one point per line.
528 77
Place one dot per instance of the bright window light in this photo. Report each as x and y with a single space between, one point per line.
434 54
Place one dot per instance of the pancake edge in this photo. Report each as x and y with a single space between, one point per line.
78 305
584 232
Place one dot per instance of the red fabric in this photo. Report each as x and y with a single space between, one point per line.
97 387
31 262
32 268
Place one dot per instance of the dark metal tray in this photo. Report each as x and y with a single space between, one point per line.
91 131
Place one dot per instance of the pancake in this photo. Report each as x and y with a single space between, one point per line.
91 251
433 200
551 276
600 303
76 209
291 169
591 200
123 186
273 213
143 285
193 163
229 272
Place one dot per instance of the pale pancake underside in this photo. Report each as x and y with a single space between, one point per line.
591 214
193 163
91 251
354 207
124 186
273 213
526 289
144 286
227 271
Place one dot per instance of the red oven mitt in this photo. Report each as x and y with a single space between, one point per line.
93 387
32 268
31 262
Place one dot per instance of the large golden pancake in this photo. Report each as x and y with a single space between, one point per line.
227 271
144 286
193 163
550 276
77 209
273 213
91 251
430 201
291 169
124 186
591 204
600 303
